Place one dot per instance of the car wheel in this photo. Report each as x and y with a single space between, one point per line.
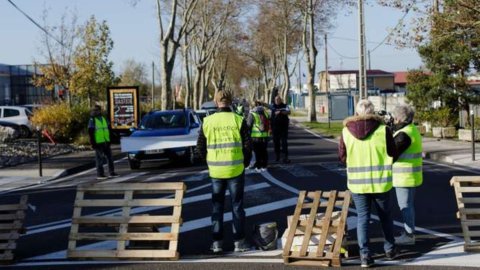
134 163
190 156
25 132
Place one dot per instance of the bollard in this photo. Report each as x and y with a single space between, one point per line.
39 142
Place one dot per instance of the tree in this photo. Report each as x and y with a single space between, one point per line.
134 74
170 39
93 70
57 49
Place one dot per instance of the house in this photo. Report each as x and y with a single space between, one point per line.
347 80
400 81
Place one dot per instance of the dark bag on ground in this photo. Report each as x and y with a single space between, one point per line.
265 236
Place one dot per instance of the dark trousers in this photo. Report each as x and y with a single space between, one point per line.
261 154
280 135
102 152
363 204
235 187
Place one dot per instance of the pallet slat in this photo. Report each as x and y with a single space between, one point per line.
130 229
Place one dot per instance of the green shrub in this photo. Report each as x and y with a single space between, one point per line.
443 117
62 121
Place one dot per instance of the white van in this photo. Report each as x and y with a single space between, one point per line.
17 115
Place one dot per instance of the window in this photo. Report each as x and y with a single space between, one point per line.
10 113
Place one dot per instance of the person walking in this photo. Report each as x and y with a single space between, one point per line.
368 149
259 123
280 122
99 135
224 142
407 170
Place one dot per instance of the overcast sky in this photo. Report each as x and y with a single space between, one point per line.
134 30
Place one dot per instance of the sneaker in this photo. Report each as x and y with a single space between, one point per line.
217 247
391 254
405 239
366 262
241 246
113 175
101 177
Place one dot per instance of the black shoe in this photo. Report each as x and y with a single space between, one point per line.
367 262
277 159
101 177
391 254
113 175
286 160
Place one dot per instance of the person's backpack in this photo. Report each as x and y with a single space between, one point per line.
265 236
264 122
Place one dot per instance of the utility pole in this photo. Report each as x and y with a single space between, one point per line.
153 83
369 61
327 81
362 73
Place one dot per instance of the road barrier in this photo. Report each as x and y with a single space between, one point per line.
315 238
153 236
467 192
11 227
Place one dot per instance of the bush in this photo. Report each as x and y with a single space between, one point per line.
443 117
62 121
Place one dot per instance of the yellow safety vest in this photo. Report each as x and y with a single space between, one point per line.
256 133
369 168
224 144
102 134
407 170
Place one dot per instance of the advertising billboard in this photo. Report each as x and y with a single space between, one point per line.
123 107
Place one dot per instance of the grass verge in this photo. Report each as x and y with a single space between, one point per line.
335 129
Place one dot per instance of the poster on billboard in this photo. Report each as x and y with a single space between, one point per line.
123 107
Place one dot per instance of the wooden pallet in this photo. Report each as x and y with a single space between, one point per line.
11 227
467 192
322 254
125 222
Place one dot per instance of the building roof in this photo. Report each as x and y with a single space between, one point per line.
400 77
370 72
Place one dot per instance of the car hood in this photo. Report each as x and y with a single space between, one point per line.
160 132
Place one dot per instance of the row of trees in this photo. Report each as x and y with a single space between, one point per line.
247 47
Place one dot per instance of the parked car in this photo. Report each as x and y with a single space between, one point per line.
168 134
204 113
17 115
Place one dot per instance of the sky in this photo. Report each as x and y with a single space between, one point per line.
134 30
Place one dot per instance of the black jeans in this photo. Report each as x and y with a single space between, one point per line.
280 135
261 154
102 152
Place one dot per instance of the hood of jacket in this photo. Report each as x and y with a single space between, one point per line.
362 126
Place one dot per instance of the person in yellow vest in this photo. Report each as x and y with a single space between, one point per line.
224 142
368 149
407 170
258 121
99 134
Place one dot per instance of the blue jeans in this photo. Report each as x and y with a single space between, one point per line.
363 204
405 196
235 187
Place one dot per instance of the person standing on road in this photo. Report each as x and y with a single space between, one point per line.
280 122
99 134
407 170
224 141
259 123
368 149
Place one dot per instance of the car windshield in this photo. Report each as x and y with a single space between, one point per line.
164 121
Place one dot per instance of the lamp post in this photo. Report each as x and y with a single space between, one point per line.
39 150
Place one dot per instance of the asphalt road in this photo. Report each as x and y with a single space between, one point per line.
269 196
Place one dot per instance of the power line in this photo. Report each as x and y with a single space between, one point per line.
398 24
341 55
36 24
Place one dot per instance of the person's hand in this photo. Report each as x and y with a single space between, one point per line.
277 112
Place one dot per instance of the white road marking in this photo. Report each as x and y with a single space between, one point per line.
123 178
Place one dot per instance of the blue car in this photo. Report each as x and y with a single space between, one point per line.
168 134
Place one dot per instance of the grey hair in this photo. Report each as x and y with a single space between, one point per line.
403 114
365 107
